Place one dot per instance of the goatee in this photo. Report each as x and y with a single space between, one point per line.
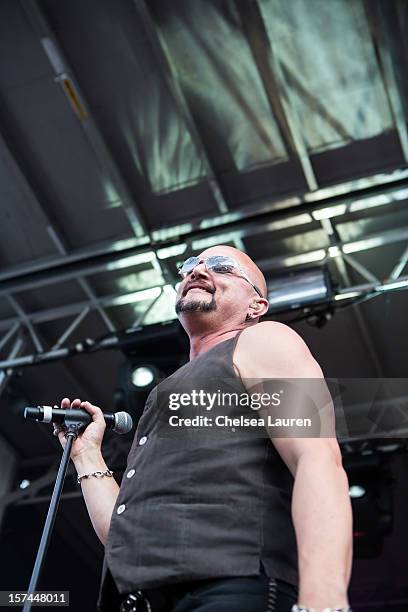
183 305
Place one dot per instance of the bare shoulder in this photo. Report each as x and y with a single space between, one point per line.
272 349
270 335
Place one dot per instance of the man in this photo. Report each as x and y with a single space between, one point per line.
237 521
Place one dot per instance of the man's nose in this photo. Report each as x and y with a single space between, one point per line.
199 270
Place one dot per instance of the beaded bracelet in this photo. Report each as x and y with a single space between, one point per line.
98 474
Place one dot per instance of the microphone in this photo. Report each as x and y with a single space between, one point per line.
119 422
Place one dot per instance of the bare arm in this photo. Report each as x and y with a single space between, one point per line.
321 508
100 494
322 518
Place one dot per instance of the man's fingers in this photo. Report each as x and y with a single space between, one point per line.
76 403
65 403
94 411
58 429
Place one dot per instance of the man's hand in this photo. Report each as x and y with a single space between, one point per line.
100 494
89 440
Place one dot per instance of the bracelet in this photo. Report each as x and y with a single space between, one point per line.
98 474
299 608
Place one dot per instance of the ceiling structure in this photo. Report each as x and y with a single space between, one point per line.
136 133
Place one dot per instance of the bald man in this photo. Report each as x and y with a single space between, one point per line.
231 522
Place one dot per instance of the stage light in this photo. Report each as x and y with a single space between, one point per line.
306 287
24 484
357 491
143 376
372 501
136 379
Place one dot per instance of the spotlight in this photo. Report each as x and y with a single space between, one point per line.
143 376
24 484
135 381
371 495
298 289
357 491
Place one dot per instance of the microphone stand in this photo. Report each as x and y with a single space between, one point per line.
71 435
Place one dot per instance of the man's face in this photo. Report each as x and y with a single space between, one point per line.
206 291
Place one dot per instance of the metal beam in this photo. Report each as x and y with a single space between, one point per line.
288 261
362 270
9 334
361 324
16 349
92 267
364 244
52 232
113 300
254 27
68 310
86 287
386 67
402 262
71 328
170 76
26 322
290 113
383 186
65 77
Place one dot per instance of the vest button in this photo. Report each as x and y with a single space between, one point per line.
121 509
130 473
142 440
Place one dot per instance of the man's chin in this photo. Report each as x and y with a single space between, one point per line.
184 305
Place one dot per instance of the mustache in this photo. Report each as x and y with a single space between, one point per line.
199 286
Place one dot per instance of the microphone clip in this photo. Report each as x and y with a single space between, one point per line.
73 425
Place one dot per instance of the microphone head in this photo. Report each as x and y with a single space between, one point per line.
123 422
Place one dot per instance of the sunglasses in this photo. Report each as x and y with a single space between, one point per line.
219 264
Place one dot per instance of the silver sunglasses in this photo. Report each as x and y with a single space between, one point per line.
220 264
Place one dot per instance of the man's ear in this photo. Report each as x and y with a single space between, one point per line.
258 306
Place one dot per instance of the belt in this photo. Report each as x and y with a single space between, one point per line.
136 602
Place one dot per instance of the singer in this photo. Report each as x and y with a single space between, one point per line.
237 523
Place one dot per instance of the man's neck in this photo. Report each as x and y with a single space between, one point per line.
202 341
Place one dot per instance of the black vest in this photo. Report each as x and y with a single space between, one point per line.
199 504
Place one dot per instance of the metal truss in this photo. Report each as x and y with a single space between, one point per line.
113 341
302 214
378 190
340 261
266 265
18 347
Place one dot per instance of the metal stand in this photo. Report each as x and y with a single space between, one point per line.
71 435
